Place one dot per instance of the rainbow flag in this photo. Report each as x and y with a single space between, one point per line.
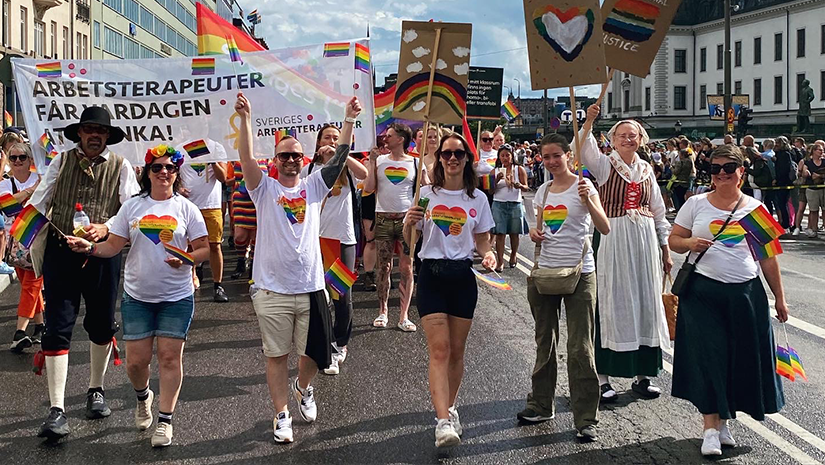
796 364
496 282
203 66
362 58
339 277
234 52
181 255
383 109
196 148
47 145
488 181
49 70
603 140
254 17
465 130
509 111
783 363
762 252
281 133
585 171
9 205
761 225
7 118
336 49
27 224
213 31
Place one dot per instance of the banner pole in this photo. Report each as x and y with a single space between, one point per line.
478 139
604 87
577 142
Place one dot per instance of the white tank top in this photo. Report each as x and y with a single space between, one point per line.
504 193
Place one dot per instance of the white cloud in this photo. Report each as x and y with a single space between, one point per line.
420 52
419 105
410 35
439 64
462 69
461 52
414 67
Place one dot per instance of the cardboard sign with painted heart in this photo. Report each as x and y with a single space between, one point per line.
566 31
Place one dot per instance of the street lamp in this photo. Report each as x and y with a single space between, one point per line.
678 127
519 87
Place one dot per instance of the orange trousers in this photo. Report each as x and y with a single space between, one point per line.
31 294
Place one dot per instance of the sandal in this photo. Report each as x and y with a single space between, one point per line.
407 326
381 321
608 393
646 389
512 265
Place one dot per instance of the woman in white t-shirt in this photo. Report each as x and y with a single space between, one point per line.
434 134
508 209
456 222
338 222
724 359
564 208
158 299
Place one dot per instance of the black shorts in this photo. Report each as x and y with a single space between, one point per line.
368 207
447 286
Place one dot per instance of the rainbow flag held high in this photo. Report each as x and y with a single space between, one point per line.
383 109
7 118
585 171
603 140
509 111
203 66
339 277
281 133
336 49
761 225
213 31
196 148
254 17
362 58
488 181
49 70
762 252
465 129
234 51
796 364
783 363
181 255
28 223
9 205
496 282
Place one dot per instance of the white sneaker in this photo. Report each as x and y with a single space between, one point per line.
342 354
333 368
725 438
306 401
454 419
795 232
143 412
163 435
710 444
282 424
445 435
810 233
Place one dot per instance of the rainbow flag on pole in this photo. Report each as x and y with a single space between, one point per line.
783 363
336 49
7 118
760 251
509 111
761 225
196 148
234 51
213 31
181 255
203 66
383 109
796 364
27 224
9 205
497 282
488 181
339 277
362 58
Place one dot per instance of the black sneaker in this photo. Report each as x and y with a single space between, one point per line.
96 405
240 269
608 393
220 294
199 272
369 282
37 335
231 242
20 341
587 434
56 425
645 389
531 416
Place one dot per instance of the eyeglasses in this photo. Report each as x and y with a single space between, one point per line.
286 156
89 129
729 168
631 136
14 158
157 167
458 154
486 139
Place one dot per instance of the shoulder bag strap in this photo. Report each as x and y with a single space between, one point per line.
722 229
539 225
14 189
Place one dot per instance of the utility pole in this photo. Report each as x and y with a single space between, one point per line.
545 112
728 98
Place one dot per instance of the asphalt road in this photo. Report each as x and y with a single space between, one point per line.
378 409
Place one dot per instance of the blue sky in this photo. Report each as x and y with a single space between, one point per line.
499 38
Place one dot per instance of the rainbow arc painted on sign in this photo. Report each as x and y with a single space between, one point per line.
444 87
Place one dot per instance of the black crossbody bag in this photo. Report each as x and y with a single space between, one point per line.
680 284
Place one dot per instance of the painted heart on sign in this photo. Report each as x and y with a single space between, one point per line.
732 235
449 220
566 31
151 226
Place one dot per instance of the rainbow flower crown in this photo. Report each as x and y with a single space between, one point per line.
163 150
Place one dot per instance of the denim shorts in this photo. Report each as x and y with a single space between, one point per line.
162 319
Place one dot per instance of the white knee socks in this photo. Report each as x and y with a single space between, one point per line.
99 361
56 369
603 380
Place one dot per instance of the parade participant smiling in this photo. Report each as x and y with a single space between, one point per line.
631 326
724 358
456 221
564 208
511 181
289 293
158 298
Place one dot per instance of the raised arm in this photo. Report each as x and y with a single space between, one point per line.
371 180
358 170
591 157
252 173
335 166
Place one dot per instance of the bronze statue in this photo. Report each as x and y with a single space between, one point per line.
806 96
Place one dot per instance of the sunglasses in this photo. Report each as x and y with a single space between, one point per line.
286 156
14 158
157 167
94 129
486 139
729 168
459 154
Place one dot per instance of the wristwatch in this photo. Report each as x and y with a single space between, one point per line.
350 119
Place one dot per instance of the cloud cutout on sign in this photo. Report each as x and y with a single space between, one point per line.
410 35
419 106
414 67
420 52
462 69
461 52
439 65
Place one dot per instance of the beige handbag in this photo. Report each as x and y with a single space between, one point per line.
556 280
671 303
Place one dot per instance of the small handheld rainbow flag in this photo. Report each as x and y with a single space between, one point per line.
796 364
509 111
9 205
585 171
783 363
181 255
27 224
362 58
49 70
196 148
234 52
603 140
488 181
497 282
339 277
47 145
7 118
203 66
336 49
762 252
761 225
254 17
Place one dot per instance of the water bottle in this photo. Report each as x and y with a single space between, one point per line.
80 220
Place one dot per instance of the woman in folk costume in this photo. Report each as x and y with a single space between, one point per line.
630 326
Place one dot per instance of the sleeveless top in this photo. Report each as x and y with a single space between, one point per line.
619 196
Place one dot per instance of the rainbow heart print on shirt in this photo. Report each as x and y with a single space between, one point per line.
449 220
554 217
158 228
395 174
199 168
295 209
732 235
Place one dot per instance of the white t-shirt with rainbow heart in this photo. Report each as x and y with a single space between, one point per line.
395 180
451 221
566 224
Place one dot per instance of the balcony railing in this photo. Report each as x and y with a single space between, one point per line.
82 9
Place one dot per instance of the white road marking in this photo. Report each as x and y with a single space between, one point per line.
780 443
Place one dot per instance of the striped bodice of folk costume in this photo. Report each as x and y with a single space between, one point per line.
619 196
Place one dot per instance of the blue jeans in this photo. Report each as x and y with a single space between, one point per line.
163 319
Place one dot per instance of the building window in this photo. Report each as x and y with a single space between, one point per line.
799 78
116 5
737 88
147 20
822 85
146 52
679 100
737 53
757 92
609 102
777 46
777 90
703 59
112 42
822 36
7 23
39 39
65 43
96 34
78 54
680 61
647 98
85 47
757 50
626 107
131 10
160 29
703 97
53 32
24 32
800 43
720 88
720 56
131 49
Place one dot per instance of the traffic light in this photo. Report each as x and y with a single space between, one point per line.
744 120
